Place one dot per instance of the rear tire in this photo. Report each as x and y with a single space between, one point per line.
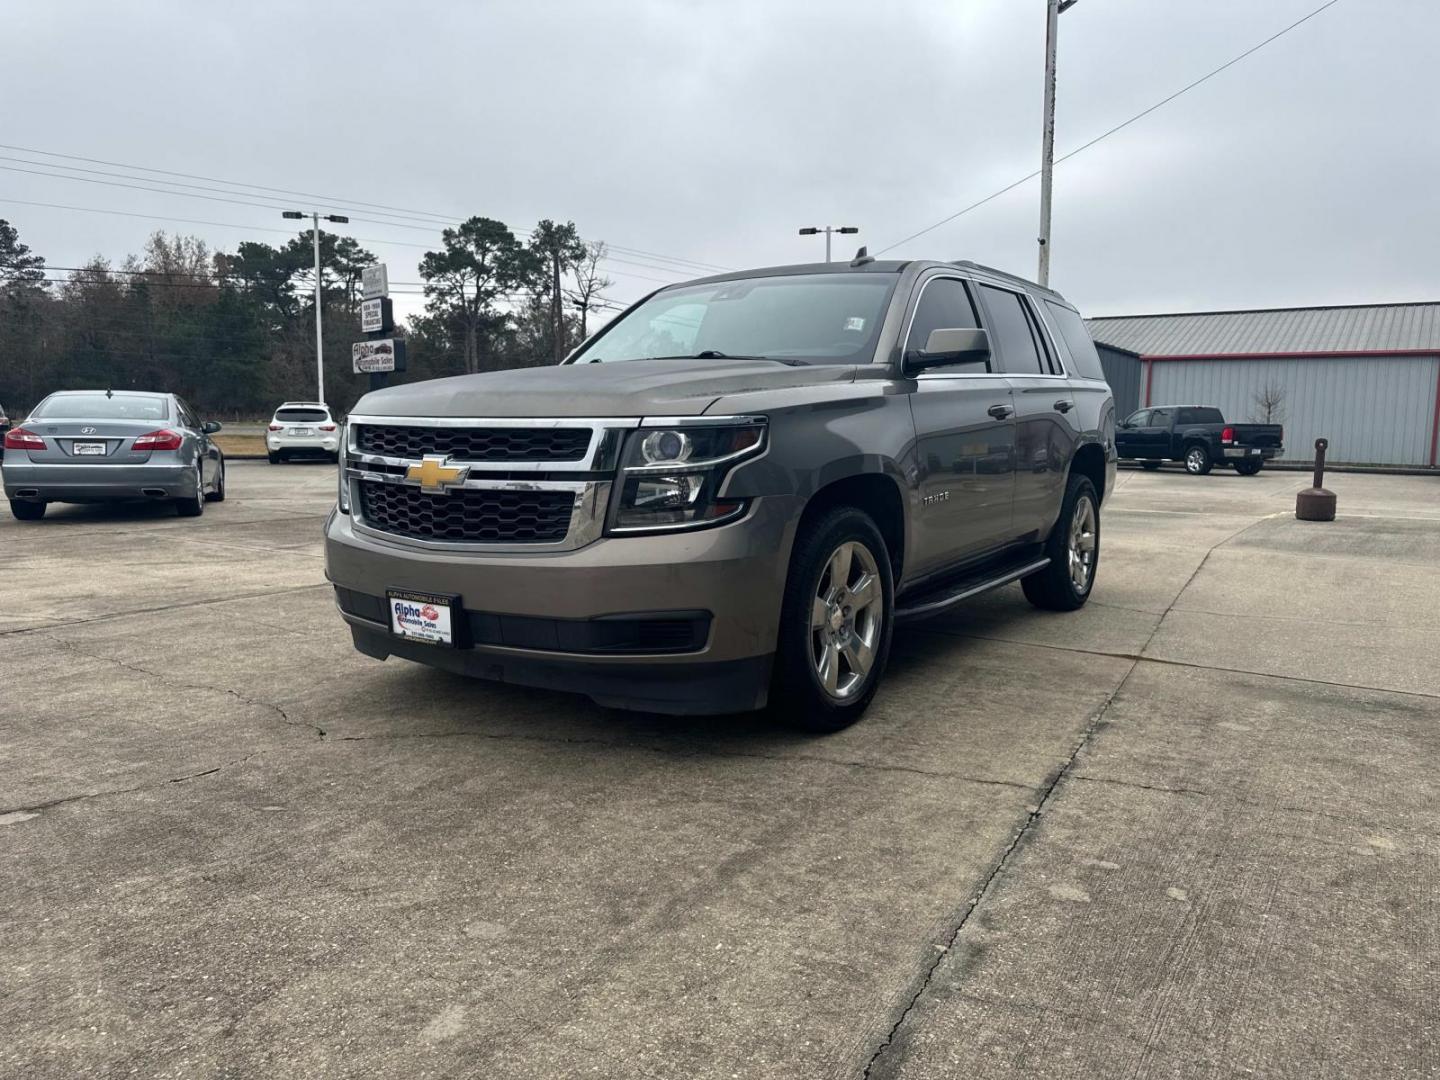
218 495
273 457
830 630
27 509
1067 582
1150 466
1249 468
1197 460
193 505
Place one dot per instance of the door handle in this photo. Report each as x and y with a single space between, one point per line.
1064 405
1000 412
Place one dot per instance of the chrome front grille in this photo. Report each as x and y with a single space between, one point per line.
468 515
509 484
501 444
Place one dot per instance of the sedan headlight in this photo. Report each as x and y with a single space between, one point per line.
342 494
670 477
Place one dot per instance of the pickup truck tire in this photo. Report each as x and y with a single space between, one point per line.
1249 468
1197 460
27 510
1150 466
836 620
1074 550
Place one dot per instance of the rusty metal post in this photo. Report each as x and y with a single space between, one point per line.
1315 503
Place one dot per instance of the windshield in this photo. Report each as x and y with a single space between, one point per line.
798 318
102 407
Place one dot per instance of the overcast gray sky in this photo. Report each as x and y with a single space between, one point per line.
1306 174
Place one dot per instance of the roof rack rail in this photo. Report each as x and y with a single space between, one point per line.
969 265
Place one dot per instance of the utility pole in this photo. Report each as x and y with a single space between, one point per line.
814 230
1053 8
319 336
557 317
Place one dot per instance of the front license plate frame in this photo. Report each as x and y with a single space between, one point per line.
426 617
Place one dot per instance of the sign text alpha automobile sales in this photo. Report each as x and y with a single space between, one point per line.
387 354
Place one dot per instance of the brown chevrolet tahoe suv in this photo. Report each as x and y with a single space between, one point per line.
731 494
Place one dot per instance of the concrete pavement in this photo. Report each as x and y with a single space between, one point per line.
1187 831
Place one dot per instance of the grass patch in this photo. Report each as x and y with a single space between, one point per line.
236 445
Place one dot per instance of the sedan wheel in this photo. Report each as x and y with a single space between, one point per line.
193 505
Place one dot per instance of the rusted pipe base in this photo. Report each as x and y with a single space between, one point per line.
1315 504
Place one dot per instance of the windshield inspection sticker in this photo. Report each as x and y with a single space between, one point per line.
855 322
421 616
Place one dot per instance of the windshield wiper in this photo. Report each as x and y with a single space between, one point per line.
716 354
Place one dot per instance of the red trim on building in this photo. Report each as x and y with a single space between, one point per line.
1346 354
1435 424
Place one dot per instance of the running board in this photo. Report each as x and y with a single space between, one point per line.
941 601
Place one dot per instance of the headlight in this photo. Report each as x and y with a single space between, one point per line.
670 477
342 495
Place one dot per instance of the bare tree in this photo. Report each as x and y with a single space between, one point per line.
1269 404
590 283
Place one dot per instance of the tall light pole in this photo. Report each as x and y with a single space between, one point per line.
1053 8
814 230
319 338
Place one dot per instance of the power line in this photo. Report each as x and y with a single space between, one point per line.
1118 127
410 212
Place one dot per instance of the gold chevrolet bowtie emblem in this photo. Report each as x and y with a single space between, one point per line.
434 476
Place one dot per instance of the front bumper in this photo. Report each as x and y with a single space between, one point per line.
66 482
734 572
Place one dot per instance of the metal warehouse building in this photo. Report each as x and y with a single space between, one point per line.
1366 377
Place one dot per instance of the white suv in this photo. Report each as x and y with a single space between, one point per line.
302 429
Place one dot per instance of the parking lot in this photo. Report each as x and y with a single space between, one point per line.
1190 830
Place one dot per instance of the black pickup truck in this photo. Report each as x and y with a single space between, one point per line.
1199 436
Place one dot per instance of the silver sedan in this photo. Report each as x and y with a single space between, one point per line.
87 446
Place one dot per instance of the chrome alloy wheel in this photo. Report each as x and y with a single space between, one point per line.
1081 549
1194 460
846 617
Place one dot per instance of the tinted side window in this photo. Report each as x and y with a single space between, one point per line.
1139 419
1161 417
1011 333
945 304
1077 340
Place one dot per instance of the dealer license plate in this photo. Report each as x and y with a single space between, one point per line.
89 449
421 616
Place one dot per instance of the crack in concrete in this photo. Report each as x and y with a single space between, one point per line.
1223 797
163 607
72 648
940 952
49 804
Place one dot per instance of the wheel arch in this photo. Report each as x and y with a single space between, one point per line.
878 495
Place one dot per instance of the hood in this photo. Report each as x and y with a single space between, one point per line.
628 388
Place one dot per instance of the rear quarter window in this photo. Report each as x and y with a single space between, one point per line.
1085 361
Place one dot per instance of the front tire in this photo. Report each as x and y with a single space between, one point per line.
27 509
1074 550
836 621
1249 468
1197 460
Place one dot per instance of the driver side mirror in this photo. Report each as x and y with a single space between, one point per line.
210 427
949 347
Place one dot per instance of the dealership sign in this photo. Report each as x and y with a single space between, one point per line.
374 281
372 357
376 316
